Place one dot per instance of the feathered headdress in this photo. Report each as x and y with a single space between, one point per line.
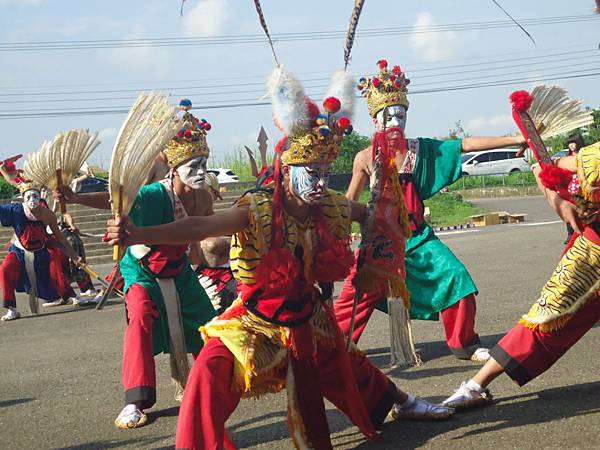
312 134
388 88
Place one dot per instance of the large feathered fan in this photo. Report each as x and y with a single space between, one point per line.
553 112
58 161
150 124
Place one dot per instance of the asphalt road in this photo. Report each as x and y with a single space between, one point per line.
60 372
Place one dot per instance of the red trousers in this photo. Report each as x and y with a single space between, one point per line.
209 400
58 271
524 354
139 374
10 271
458 319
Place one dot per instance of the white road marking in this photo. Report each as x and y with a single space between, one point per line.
446 233
534 224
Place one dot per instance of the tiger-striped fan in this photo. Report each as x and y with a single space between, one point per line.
58 161
150 124
553 112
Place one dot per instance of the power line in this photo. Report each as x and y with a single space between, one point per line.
282 37
487 65
89 112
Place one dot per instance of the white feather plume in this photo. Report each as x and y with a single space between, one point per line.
343 87
555 112
287 98
66 152
150 124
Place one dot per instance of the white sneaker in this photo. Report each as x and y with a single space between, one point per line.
131 417
421 409
57 302
11 314
465 398
96 297
480 355
89 293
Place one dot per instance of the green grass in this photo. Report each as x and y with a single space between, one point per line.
483 181
446 209
450 209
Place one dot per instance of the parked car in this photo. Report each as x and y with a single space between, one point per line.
560 154
93 184
225 176
493 162
90 184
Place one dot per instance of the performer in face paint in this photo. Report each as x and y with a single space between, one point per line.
439 284
26 267
165 303
290 243
568 305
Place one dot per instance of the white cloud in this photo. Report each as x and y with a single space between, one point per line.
207 18
432 46
500 124
107 133
140 58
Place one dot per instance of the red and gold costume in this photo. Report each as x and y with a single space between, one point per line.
281 331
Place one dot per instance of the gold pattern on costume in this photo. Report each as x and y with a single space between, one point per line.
574 281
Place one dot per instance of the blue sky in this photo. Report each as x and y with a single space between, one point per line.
429 59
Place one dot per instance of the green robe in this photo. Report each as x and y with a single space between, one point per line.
435 277
153 206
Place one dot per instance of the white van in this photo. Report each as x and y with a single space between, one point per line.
493 162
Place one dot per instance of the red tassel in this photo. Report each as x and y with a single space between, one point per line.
278 270
555 178
521 100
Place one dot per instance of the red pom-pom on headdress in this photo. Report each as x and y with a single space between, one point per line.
521 100
382 63
555 178
332 105
344 123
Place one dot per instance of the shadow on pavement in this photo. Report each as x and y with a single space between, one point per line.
534 408
115 443
16 401
158 414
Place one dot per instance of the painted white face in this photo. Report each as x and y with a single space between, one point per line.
31 198
193 172
391 117
309 182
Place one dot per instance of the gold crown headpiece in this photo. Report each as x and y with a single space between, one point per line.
322 142
388 88
190 141
28 185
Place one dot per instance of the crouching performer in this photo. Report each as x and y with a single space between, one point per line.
290 243
165 302
568 305
26 267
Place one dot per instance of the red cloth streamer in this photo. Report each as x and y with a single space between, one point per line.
333 258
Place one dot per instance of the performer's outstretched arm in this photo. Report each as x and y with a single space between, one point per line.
122 231
98 200
476 144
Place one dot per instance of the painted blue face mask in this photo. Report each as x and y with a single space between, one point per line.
310 182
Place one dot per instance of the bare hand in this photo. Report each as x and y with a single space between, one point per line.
121 231
568 213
